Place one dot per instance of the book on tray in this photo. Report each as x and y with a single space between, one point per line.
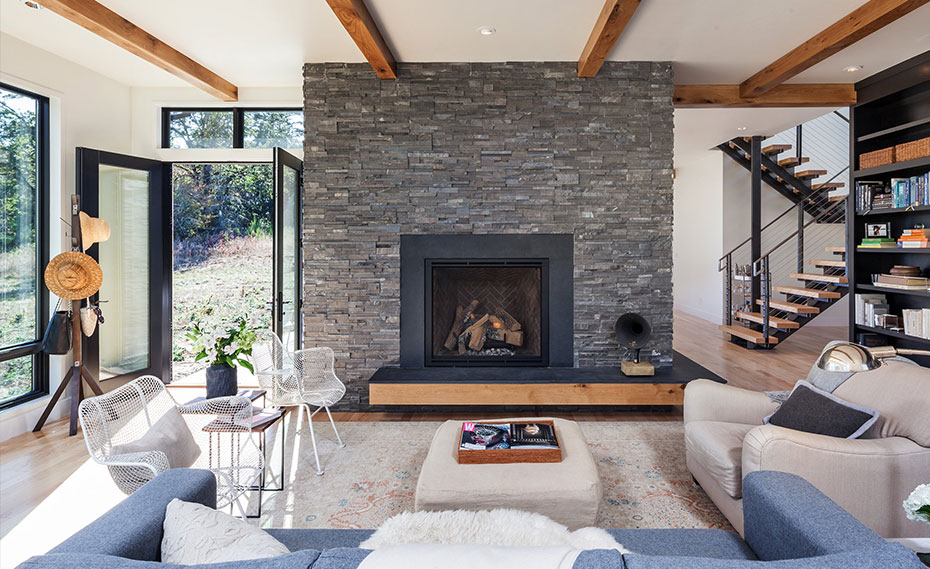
517 436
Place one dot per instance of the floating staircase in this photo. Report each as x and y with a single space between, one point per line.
792 290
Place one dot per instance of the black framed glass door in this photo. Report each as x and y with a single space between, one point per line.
133 196
288 264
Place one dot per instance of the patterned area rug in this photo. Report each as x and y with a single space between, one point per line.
642 466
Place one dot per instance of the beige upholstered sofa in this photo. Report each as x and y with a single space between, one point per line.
870 476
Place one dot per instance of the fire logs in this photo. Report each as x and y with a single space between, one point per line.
491 330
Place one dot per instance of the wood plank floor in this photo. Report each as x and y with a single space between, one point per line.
32 465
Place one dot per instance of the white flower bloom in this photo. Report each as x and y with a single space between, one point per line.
230 350
919 497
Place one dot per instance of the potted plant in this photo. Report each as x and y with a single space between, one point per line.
223 341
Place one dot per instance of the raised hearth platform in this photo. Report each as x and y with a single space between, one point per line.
533 385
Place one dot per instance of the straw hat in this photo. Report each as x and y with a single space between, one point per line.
73 276
93 230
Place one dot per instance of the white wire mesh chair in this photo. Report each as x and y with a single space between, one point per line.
319 387
274 370
127 413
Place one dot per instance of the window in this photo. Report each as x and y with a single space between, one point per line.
23 244
232 128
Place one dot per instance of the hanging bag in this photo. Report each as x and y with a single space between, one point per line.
57 339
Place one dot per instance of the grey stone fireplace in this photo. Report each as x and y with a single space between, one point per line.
485 150
523 279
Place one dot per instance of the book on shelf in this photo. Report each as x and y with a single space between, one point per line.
902 280
865 304
878 243
912 191
870 339
913 322
914 244
871 195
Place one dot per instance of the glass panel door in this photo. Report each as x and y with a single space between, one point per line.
288 258
134 298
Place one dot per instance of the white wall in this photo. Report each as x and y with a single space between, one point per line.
87 109
697 236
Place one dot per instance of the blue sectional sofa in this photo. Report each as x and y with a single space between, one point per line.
789 524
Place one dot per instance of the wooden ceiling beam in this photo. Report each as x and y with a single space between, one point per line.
610 24
358 22
868 18
114 28
791 95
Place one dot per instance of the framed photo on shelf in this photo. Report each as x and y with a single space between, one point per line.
873 230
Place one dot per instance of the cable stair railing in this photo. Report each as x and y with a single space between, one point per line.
783 263
802 268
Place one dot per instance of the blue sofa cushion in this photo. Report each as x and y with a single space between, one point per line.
296 539
716 543
599 559
887 556
341 558
786 517
133 528
301 560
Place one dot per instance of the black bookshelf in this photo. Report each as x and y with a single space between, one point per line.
893 108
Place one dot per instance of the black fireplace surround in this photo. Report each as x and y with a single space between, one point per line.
527 277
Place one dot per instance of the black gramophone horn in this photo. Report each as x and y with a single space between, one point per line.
633 331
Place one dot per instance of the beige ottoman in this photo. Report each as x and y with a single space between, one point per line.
569 492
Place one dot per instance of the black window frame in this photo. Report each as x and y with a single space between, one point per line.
40 363
238 120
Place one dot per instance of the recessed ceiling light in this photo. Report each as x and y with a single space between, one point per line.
852 68
33 5
741 128
487 30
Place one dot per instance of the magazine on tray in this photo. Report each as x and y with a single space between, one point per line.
485 436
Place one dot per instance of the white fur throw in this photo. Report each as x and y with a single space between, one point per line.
494 527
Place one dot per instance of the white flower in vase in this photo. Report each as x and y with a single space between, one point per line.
917 505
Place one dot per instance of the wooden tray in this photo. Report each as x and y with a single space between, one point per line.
509 455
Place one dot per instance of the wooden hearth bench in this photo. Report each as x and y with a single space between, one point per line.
533 385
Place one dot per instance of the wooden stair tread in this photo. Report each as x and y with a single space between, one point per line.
774 322
829 185
748 334
808 292
809 174
793 161
838 198
791 307
838 279
775 149
835 249
827 263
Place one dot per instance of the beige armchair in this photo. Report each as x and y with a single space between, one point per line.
870 477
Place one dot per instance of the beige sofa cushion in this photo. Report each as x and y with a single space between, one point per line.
568 492
899 392
718 447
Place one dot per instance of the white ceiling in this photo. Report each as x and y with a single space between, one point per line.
265 43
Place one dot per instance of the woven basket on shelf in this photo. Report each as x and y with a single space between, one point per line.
877 158
912 150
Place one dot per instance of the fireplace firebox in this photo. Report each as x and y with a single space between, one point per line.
487 312
486 300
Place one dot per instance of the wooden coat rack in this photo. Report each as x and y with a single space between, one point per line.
77 371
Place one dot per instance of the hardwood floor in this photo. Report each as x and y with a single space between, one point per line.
758 370
33 465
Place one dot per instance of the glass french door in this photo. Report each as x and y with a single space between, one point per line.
288 264
132 195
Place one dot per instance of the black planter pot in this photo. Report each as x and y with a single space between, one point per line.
221 381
